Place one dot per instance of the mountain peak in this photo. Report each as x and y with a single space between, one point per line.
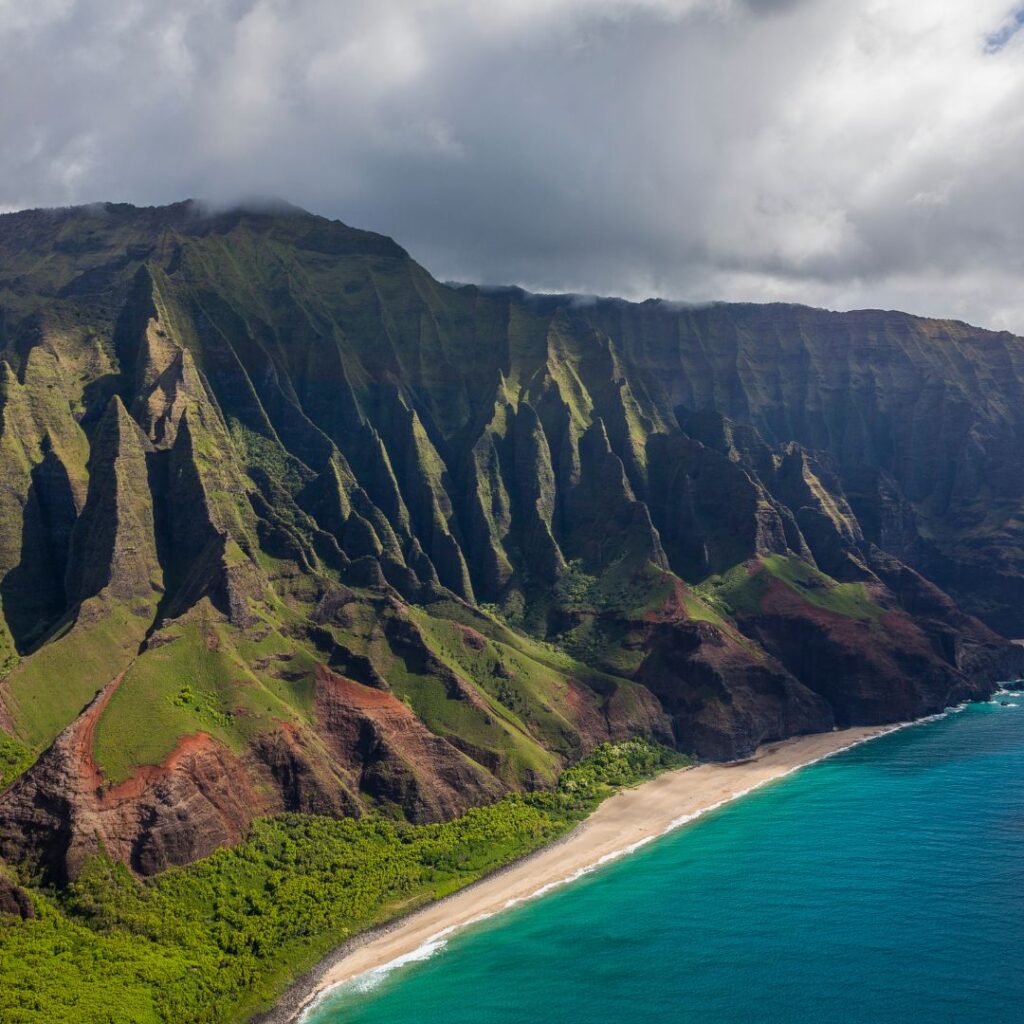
112 231
261 465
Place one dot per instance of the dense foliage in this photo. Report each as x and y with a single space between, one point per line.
219 939
15 757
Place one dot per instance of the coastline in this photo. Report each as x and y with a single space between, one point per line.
621 824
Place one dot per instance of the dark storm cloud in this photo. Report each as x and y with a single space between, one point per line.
839 152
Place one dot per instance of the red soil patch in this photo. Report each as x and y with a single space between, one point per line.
472 639
580 710
890 631
673 608
781 599
353 693
197 744
82 740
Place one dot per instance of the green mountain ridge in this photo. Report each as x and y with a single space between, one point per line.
288 525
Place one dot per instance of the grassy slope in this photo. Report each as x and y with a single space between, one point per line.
611 605
53 686
206 675
201 679
220 939
742 589
520 682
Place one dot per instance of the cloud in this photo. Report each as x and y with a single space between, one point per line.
838 152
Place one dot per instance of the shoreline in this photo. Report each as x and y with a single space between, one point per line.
620 825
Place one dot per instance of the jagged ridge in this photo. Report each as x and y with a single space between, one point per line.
262 468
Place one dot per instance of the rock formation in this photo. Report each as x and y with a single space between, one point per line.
349 539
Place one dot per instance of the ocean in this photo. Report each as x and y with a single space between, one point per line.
883 885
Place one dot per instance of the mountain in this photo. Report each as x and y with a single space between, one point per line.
286 524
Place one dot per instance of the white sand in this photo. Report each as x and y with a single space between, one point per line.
620 824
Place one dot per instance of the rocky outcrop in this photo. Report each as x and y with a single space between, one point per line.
921 417
869 671
725 699
307 782
710 512
61 812
602 522
275 442
963 641
113 547
391 757
43 451
14 900
371 750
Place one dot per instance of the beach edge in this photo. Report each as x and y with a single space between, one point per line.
692 792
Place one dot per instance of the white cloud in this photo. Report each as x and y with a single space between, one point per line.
840 152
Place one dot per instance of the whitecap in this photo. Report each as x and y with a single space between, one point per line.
371 979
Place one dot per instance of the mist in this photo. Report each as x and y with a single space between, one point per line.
842 153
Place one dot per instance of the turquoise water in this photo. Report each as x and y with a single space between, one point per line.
883 885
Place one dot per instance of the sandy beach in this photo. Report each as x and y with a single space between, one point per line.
621 824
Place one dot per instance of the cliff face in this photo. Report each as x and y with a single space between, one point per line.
349 538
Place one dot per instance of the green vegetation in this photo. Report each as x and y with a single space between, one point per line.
259 452
308 393
701 610
203 704
220 939
622 586
614 766
736 592
576 587
203 676
625 590
522 690
15 757
61 677
742 589
849 599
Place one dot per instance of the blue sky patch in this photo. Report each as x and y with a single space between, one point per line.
997 40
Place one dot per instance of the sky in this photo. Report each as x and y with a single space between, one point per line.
841 153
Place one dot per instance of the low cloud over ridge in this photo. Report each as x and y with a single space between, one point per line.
836 152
